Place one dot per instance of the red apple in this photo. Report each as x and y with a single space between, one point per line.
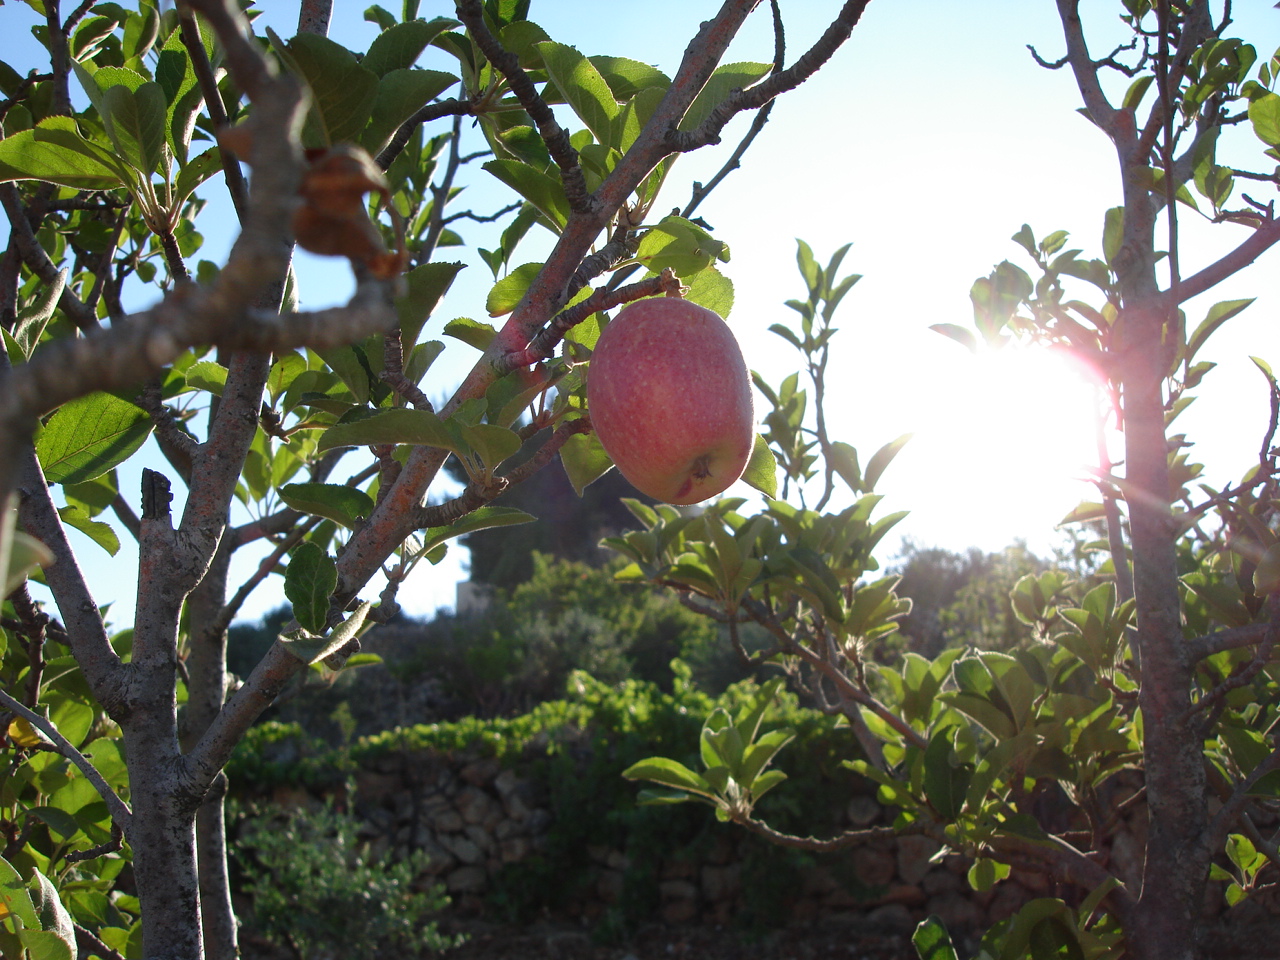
670 400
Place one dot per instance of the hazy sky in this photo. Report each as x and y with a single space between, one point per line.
927 142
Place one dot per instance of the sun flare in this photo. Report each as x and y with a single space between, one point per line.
1011 439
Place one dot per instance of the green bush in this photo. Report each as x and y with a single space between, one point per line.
576 748
320 892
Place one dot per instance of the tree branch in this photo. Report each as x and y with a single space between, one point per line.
544 344
1258 243
120 812
86 633
432 111
775 85
842 841
471 13
33 254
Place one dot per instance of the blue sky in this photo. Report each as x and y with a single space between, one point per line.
927 142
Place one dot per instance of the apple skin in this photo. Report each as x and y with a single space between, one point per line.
670 399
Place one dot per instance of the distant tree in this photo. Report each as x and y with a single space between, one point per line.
569 526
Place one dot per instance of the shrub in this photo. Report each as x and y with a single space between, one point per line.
319 891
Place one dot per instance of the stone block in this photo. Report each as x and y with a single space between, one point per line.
875 868
462 848
480 837
467 880
679 901
721 883
448 821
515 849
474 804
955 910
863 811
480 773
914 855
609 886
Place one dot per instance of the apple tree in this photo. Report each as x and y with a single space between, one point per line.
1163 662
315 426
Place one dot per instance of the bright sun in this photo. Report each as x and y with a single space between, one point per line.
1003 452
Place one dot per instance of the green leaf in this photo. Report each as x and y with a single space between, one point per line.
313 650
961 335
15 896
309 581
32 320
844 460
425 284
945 783
97 531
509 291
343 91
1112 233
669 773
582 87
727 78
1137 89
1267 785
584 460
985 873
398 47
711 289
762 469
492 443
882 458
471 332
400 94
55 152
931 940
207 375
485 518
626 77
1218 314
135 122
401 425
335 501
680 245
46 945
54 920
544 191
1264 114
195 172
89 436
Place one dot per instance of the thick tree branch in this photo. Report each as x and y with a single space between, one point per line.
1258 243
86 633
1230 639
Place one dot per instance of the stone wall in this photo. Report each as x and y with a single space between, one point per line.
475 817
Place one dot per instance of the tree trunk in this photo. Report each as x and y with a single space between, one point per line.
1167 916
206 687
163 835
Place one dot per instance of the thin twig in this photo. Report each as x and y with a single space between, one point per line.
544 344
